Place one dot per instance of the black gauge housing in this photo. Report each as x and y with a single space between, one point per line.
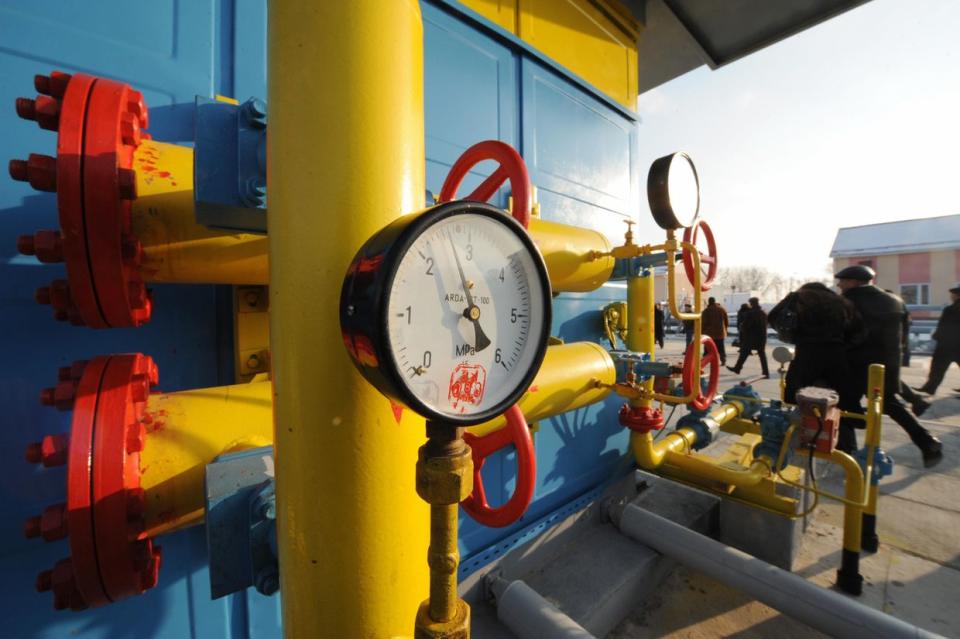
365 297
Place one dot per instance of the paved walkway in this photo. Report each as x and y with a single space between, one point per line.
915 575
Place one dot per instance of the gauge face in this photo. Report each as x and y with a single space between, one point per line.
447 311
673 191
465 314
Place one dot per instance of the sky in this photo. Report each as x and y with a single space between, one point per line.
854 121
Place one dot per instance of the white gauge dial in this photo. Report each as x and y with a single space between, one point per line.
465 314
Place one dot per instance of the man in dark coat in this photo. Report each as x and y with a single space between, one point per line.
947 349
714 322
884 316
752 326
822 325
688 327
658 331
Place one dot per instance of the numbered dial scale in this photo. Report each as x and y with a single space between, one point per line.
447 311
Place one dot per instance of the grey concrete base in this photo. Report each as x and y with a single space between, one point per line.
764 535
593 573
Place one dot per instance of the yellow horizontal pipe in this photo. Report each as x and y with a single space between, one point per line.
185 432
175 247
675 450
566 381
570 253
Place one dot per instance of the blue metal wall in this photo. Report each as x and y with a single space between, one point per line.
479 84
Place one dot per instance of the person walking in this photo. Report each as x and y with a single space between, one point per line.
820 324
658 332
714 323
752 328
883 318
947 349
740 315
688 329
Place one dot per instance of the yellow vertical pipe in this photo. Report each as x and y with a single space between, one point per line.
640 327
345 157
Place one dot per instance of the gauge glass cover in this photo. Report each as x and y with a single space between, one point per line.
464 315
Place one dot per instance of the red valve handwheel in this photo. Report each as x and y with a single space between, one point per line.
511 168
709 258
517 433
691 378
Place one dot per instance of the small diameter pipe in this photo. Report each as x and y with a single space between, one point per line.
821 609
529 616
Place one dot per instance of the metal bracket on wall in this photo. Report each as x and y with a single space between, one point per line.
230 164
251 330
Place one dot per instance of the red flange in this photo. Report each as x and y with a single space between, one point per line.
111 559
99 126
641 419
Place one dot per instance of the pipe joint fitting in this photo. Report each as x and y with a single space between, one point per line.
446 479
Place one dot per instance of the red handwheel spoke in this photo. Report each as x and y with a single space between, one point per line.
517 433
692 378
512 168
708 259
489 186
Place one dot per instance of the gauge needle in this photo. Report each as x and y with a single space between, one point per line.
472 312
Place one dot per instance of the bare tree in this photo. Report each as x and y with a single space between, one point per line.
746 278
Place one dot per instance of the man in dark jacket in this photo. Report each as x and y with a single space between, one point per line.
658 330
947 349
688 324
752 326
884 316
714 322
820 324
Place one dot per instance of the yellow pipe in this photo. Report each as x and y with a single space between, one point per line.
853 491
185 432
577 258
670 247
345 157
676 450
650 455
175 247
568 380
640 328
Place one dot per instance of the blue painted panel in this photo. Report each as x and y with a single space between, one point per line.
168 51
575 145
470 94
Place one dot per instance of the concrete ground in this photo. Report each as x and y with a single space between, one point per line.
916 574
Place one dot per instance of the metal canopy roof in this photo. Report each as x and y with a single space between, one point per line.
681 35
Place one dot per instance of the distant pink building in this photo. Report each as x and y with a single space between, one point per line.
917 259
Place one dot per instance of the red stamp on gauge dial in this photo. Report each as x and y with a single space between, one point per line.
466 385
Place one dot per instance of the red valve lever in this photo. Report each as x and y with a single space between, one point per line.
517 433
709 258
511 168
691 378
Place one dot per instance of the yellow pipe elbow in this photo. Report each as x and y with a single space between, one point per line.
854 494
649 455
175 247
572 376
186 431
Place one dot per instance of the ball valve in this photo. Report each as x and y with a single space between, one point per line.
135 463
125 205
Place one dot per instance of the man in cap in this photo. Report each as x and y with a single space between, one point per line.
948 343
884 318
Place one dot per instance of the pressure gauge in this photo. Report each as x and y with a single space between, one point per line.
673 191
447 311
